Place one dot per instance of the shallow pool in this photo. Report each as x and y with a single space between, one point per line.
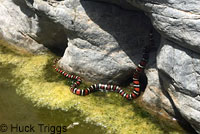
31 92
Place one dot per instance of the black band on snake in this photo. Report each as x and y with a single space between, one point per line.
107 87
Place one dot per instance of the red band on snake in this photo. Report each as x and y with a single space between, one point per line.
107 87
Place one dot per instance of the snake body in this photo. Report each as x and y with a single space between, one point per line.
107 87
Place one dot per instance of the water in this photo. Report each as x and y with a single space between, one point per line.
18 110
31 92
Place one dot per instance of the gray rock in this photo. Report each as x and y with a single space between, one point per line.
179 71
96 28
29 29
105 42
121 3
177 20
96 35
14 29
154 98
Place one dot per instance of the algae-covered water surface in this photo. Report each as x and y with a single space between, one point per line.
32 93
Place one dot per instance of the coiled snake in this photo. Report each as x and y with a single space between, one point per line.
107 87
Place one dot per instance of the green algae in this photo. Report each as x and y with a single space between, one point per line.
36 80
17 110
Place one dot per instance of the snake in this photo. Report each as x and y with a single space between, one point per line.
136 88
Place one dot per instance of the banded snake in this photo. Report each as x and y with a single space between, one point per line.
107 87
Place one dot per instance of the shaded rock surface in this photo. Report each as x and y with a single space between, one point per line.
103 43
121 3
107 44
25 27
178 58
180 75
14 25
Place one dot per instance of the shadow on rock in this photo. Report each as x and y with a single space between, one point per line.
50 33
